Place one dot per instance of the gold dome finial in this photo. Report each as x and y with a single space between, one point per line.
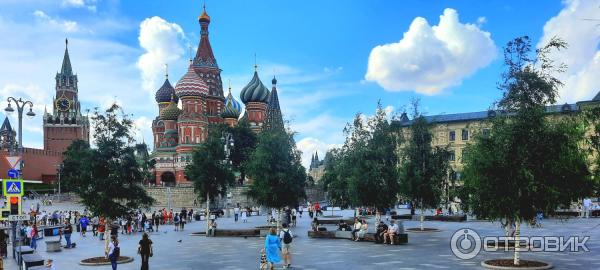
204 17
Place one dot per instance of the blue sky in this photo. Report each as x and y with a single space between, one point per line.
327 55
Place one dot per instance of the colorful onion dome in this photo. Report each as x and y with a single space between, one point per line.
170 112
204 17
191 85
232 107
164 93
255 91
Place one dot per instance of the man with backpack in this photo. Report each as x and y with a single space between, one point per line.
286 238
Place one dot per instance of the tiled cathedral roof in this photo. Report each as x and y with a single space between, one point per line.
254 91
165 92
232 107
191 85
274 117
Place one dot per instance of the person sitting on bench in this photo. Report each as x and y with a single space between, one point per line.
212 227
315 225
392 231
381 229
342 226
357 226
364 227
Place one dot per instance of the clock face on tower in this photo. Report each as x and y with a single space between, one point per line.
63 104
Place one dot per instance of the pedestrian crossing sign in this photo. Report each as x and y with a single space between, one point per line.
13 187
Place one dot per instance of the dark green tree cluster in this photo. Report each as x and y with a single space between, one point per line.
108 177
528 163
364 171
278 177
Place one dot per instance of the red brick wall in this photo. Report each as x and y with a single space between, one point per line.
39 164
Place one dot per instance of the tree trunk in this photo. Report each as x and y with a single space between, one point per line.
207 212
422 217
517 242
106 234
278 219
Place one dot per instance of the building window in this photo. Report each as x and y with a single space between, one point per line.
485 132
465 135
452 155
452 136
463 153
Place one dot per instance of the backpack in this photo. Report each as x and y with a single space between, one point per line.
116 252
287 237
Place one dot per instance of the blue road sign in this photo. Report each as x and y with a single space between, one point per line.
12 173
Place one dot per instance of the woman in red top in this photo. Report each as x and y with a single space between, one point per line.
34 236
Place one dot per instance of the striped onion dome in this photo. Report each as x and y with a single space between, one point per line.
164 93
171 112
232 107
191 85
255 91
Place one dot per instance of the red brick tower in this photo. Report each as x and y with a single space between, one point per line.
65 124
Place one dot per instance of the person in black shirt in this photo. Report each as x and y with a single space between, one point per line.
381 229
145 250
67 231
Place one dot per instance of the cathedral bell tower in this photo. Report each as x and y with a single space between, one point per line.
65 123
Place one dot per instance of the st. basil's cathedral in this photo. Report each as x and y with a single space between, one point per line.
177 131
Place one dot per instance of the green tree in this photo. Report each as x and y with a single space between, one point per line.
106 178
334 180
364 171
245 143
528 162
210 170
146 164
423 168
276 170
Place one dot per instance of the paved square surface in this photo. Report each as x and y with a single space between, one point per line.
178 250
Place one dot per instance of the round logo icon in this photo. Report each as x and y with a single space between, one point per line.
465 244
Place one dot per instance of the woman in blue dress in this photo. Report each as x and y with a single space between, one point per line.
272 247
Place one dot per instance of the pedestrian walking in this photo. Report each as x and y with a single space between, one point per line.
245 216
33 235
286 238
145 250
176 221
272 247
114 251
236 212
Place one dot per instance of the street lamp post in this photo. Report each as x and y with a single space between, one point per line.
20 104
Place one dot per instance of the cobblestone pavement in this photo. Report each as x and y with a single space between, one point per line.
178 250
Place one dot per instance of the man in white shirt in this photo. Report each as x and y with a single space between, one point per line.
286 243
587 205
236 212
391 232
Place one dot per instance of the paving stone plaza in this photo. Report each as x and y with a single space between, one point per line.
178 250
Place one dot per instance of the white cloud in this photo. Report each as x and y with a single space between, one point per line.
162 42
310 145
66 25
428 58
577 24
89 4
481 21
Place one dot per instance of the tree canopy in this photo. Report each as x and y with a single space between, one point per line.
528 162
423 168
278 177
364 171
107 178
208 170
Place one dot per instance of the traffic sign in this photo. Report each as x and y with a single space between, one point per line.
18 217
13 187
13 160
12 173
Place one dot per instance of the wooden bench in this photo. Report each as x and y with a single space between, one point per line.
30 260
405 216
335 221
453 218
53 245
237 233
398 238
22 250
321 234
